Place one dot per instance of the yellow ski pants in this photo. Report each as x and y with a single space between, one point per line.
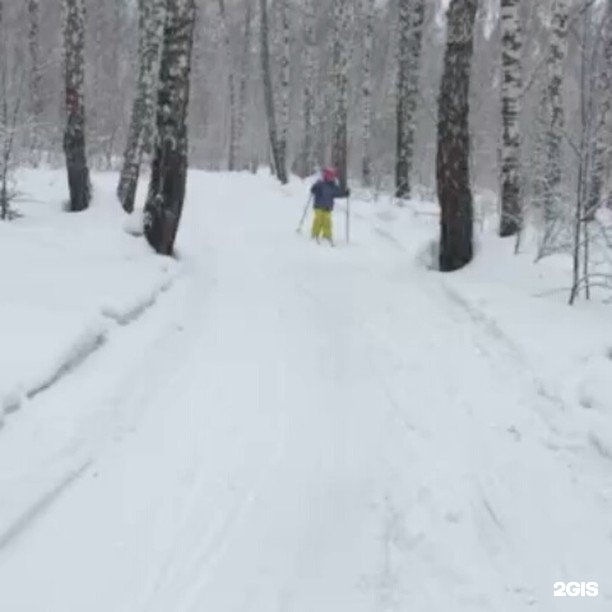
322 224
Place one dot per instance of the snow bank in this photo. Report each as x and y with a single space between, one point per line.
520 306
67 281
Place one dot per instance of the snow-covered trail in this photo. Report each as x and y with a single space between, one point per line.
316 430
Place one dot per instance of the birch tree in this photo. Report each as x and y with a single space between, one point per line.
284 90
366 90
602 145
243 88
170 156
74 76
341 59
453 156
511 89
280 163
411 19
586 112
305 164
555 113
151 24
231 83
36 100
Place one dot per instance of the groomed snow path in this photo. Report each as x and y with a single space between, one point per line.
293 428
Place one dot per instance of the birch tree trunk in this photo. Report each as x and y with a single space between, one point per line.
305 165
74 133
366 91
555 110
452 160
285 80
233 98
411 19
581 230
36 101
169 167
151 24
342 20
278 161
602 145
512 85
243 89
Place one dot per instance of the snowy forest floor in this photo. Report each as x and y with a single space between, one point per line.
264 424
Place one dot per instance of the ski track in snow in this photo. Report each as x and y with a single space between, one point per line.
296 428
24 521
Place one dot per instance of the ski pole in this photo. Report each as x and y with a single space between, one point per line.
299 228
348 218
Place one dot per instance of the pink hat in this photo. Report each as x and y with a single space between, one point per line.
329 174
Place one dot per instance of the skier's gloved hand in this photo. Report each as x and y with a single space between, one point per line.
347 193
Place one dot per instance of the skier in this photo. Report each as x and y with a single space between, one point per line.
324 191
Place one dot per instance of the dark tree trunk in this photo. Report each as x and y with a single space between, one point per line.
452 161
169 167
74 134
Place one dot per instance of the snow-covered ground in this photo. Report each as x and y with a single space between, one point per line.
270 425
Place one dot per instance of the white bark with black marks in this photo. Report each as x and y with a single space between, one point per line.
366 90
555 111
511 102
278 161
242 160
284 35
411 21
306 159
602 145
170 157
140 136
74 77
36 99
340 72
232 93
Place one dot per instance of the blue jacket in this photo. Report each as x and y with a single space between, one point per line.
324 194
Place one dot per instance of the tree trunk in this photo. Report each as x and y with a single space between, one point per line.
231 82
278 162
305 164
555 123
452 160
366 91
411 20
36 101
580 246
602 145
342 19
512 85
285 81
74 134
169 167
151 23
243 90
